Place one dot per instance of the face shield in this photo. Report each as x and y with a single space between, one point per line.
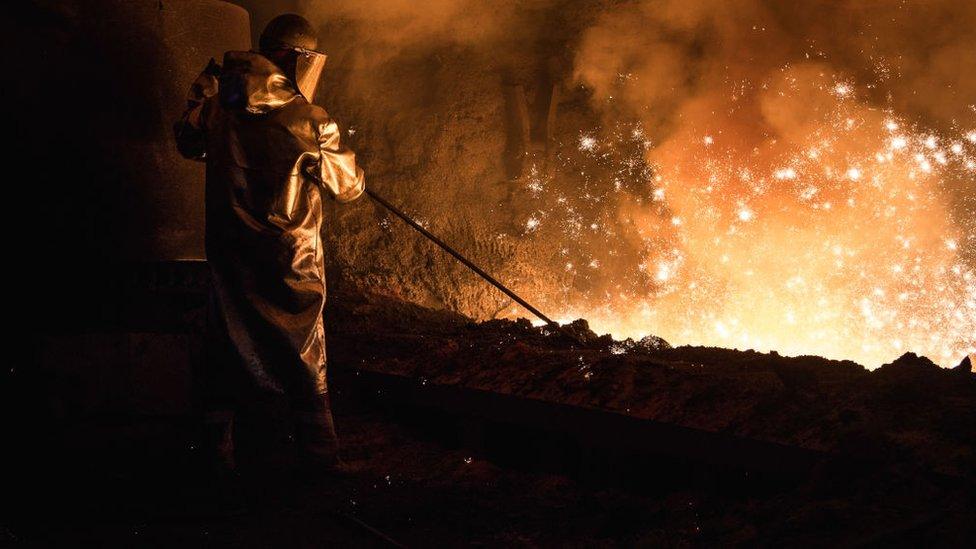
308 71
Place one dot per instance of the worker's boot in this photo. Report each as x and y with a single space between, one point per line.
318 444
220 492
218 443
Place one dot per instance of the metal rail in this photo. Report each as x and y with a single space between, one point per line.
371 530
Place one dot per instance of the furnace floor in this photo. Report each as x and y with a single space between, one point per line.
104 492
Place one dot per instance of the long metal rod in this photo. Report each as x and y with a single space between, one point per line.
382 201
360 523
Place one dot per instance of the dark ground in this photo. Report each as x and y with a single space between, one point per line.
143 492
897 446
421 493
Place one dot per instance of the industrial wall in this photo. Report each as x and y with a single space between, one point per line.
108 231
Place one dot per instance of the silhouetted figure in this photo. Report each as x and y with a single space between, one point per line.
271 155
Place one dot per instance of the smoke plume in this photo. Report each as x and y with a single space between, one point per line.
745 173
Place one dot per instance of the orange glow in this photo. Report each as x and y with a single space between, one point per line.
790 176
832 238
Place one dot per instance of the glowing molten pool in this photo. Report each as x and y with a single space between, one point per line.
809 223
796 176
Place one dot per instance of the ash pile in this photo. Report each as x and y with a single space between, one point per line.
909 412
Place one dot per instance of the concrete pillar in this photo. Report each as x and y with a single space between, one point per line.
182 36
105 198
99 85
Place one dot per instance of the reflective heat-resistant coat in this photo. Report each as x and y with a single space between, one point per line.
270 155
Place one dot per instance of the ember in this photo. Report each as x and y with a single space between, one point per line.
816 258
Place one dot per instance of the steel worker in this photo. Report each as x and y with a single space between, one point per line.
272 159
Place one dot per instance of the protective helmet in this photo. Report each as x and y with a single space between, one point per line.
293 33
288 30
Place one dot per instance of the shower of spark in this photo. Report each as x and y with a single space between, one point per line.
796 176
839 243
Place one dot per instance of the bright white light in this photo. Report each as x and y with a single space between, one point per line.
663 272
785 173
587 143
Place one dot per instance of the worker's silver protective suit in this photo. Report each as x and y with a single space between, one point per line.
271 157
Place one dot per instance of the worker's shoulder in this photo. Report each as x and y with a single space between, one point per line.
303 112
307 110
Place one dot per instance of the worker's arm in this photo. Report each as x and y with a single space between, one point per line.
190 130
337 169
